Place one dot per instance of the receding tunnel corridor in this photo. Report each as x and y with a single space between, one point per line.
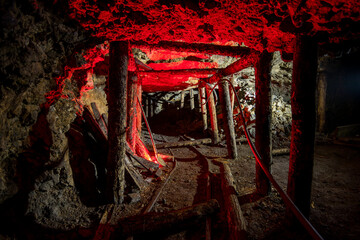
214 119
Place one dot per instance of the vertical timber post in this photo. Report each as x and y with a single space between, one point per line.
202 102
321 101
192 102
138 109
263 120
303 123
131 110
118 74
213 116
228 119
182 99
232 93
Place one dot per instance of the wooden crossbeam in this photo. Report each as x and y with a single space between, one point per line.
231 51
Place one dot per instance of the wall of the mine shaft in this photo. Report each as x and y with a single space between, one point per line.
35 174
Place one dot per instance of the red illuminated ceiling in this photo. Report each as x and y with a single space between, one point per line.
259 24
269 24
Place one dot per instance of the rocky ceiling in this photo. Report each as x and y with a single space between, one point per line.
260 25
267 24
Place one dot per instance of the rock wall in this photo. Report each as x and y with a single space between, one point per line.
35 173
281 74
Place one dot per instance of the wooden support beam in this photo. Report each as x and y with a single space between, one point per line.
235 67
232 51
182 99
203 108
138 110
184 143
118 74
321 101
131 110
175 220
303 122
228 119
192 100
180 71
263 120
213 116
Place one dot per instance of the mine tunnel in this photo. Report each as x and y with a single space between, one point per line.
204 119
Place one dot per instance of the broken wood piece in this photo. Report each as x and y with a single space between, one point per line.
94 127
135 175
151 166
171 221
184 143
99 119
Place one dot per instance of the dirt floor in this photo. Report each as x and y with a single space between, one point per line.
335 206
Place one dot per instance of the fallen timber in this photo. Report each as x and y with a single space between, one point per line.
184 143
170 221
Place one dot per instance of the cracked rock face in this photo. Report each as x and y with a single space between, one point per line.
34 47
